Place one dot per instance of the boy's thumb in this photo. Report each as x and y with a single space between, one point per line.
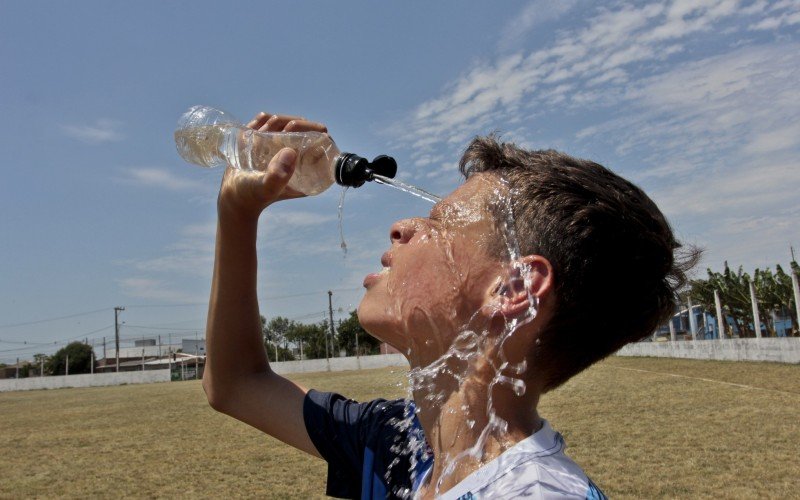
281 167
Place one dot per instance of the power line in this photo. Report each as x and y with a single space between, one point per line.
187 304
25 342
142 327
36 322
269 297
57 342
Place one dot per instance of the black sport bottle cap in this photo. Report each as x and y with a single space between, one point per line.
353 170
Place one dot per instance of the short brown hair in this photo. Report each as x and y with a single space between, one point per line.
613 252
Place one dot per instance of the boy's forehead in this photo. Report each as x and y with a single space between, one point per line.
468 203
476 191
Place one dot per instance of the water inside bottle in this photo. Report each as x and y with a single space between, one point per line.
200 145
221 144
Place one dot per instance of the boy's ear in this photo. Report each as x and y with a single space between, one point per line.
515 294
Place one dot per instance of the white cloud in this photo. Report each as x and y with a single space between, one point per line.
285 236
159 178
532 15
146 288
191 255
712 130
742 101
292 219
781 14
582 68
103 130
781 138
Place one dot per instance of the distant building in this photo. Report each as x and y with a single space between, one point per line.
23 368
707 325
194 346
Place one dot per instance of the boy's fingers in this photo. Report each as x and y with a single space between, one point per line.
277 122
259 120
305 126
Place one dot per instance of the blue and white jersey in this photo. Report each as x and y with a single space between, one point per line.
536 467
378 450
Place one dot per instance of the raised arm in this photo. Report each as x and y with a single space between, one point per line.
238 380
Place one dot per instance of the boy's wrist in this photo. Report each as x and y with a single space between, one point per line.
233 217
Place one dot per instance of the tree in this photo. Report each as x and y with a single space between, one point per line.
275 335
734 292
773 293
348 329
312 337
80 359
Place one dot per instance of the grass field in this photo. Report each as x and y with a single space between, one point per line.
720 429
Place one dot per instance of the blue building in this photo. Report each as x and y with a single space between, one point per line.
707 325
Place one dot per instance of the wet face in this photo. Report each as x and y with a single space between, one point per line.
437 273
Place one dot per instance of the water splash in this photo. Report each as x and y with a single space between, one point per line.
467 351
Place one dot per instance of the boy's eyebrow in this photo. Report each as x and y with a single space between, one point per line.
436 210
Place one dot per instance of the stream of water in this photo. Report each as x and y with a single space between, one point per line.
408 188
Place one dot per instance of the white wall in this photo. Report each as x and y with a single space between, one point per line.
340 364
781 350
149 376
84 380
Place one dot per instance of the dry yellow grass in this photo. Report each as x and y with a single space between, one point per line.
637 431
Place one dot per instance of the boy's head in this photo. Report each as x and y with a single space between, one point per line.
608 250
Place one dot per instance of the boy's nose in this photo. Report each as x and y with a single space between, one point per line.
402 231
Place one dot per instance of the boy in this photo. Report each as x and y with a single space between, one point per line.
503 293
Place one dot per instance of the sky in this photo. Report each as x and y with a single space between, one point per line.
696 101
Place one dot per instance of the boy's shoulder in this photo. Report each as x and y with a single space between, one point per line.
372 448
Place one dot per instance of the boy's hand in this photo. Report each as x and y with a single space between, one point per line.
247 193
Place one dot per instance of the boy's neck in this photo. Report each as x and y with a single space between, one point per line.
470 420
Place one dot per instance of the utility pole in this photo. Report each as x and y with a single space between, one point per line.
692 320
104 351
330 313
17 366
720 318
67 370
356 342
116 330
91 367
756 316
796 290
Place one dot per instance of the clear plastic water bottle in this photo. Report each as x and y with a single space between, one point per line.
212 138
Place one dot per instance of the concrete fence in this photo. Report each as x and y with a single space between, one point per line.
780 350
149 376
340 364
84 380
